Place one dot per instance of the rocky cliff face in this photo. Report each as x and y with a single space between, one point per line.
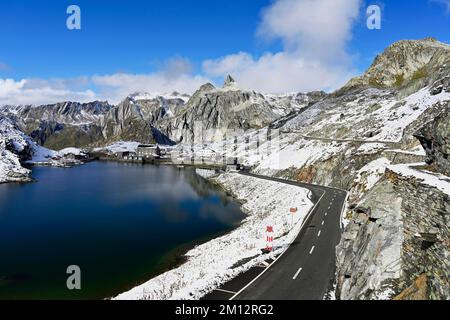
396 235
60 125
351 139
211 112
14 148
72 124
163 119
435 139
136 118
407 62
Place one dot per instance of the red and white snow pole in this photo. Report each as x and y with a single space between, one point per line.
269 238
293 211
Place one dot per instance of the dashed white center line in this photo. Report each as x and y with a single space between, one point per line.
326 213
226 291
323 222
318 234
312 249
297 273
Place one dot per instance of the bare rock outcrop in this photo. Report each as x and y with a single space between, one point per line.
398 232
435 139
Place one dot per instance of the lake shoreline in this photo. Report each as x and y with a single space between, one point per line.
198 203
217 261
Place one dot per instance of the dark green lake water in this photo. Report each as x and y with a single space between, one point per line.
120 223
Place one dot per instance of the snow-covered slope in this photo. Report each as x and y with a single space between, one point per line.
13 146
211 264
16 149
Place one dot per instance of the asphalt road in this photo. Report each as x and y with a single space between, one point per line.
305 271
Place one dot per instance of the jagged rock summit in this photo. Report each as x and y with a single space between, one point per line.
229 82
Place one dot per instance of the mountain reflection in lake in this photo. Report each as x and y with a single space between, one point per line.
121 223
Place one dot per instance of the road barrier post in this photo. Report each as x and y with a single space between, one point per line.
269 238
293 211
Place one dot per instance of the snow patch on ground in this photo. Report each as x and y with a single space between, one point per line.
371 173
42 155
385 294
396 119
121 146
415 151
439 181
10 167
74 151
205 173
12 142
213 263
371 148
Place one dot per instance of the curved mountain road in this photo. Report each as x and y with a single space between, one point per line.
305 271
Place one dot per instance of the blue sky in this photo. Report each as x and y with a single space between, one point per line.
183 43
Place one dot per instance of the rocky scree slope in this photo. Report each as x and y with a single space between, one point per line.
405 64
396 244
352 139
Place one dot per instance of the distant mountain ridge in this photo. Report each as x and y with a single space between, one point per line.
406 66
154 118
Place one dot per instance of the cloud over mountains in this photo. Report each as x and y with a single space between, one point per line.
314 36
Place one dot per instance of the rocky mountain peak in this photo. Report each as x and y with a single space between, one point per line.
229 82
206 87
406 62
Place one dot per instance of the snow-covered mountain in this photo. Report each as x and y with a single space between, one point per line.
60 125
383 137
212 112
16 148
162 118
13 147
367 138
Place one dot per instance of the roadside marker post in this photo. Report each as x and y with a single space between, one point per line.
293 211
269 238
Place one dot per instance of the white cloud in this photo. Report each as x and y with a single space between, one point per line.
174 75
37 91
280 72
115 87
314 34
316 28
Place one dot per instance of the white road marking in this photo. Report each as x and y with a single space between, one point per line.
326 213
297 273
312 249
226 291
323 222
265 263
320 231
277 258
